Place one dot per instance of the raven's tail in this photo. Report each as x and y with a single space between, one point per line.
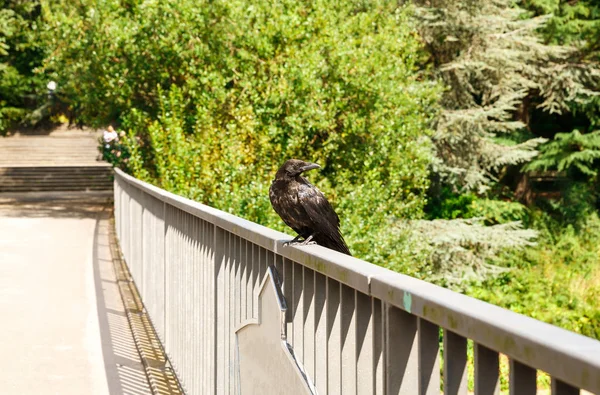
334 242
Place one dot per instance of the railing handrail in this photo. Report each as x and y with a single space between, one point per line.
563 354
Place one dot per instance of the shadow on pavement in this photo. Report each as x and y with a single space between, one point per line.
125 372
55 205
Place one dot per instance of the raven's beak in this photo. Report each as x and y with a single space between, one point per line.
310 166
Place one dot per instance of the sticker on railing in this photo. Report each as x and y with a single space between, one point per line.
407 301
265 361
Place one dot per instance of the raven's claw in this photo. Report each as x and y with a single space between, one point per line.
295 241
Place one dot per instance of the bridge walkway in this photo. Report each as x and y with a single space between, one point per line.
64 328
66 321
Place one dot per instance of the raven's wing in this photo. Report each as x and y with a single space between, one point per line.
325 221
285 203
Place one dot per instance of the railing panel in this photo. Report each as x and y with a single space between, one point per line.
429 360
487 371
522 379
178 286
153 265
308 318
334 337
209 312
124 240
195 309
354 328
220 306
287 279
561 388
135 237
297 306
230 325
401 352
251 277
365 339
320 347
117 202
455 364
236 287
348 339
378 346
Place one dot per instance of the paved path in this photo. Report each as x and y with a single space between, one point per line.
63 329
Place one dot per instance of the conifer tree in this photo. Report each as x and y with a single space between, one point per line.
493 63
496 68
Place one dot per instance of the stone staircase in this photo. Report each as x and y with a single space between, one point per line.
64 160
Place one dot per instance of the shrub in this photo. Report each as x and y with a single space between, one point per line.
215 96
21 90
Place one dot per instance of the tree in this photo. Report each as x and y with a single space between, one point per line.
20 54
216 95
495 66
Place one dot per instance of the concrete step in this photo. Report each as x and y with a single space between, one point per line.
46 151
49 177
30 180
56 162
66 154
8 173
63 187
41 163
44 145
56 178
58 181
53 188
101 167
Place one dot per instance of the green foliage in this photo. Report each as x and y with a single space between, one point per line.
558 281
572 22
451 205
575 155
447 204
215 96
115 151
499 211
576 24
461 251
496 68
570 151
20 53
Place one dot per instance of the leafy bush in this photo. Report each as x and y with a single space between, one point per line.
20 53
112 148
557 281
568 152
462 251
215 96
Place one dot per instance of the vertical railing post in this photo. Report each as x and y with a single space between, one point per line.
487 371
429 360
401 352
219 336
455 364
164 312
561 388
141 253
522 379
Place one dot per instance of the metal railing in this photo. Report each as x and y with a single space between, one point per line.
356 328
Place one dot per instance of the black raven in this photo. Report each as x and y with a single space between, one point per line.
304 208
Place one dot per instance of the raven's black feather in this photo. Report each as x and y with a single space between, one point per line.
304 208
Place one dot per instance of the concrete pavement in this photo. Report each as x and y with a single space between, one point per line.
63 327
